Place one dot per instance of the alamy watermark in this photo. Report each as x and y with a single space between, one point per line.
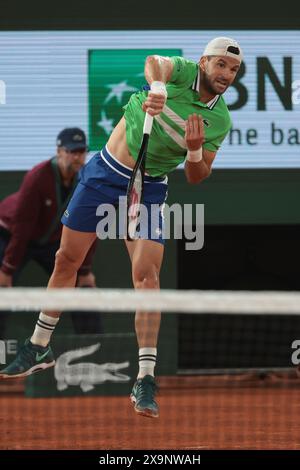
2 92
155 222
296 354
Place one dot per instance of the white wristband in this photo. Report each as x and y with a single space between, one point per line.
194 156
159 88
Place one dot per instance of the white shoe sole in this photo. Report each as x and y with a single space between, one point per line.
37 368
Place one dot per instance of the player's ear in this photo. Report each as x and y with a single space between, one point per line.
202 63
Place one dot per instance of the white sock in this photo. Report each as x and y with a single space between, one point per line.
147 361
43 330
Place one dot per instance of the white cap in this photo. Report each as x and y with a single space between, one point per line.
224 47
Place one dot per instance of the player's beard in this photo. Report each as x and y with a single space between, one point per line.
208 85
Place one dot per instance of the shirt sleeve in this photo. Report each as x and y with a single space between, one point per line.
184 70
215 144
25 220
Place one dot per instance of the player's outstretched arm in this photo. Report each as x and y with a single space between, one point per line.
158 71
158 68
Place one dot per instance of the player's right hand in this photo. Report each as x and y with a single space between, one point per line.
5 279
154 103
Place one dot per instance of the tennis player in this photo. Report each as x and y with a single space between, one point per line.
191 120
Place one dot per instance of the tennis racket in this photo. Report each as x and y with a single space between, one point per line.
136 183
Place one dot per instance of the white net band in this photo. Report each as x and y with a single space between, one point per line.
127 300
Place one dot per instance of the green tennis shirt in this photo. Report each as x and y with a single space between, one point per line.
167 147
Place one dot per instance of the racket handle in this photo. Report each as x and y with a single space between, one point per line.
148 124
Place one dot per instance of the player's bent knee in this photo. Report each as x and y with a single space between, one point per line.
146 283
65 262
146 278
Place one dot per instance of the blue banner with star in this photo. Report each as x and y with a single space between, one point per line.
114 74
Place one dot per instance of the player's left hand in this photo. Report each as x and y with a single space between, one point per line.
87 280
154 103
194 132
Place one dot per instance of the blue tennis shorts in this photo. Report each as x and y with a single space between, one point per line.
99 200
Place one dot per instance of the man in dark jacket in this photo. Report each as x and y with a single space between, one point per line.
30 227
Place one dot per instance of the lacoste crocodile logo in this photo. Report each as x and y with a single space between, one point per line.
86 374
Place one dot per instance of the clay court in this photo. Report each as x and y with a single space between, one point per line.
196 413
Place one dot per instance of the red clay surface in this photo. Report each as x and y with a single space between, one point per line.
214 415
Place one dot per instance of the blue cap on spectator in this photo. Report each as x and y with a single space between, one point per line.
71 138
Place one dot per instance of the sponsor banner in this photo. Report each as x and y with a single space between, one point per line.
55 79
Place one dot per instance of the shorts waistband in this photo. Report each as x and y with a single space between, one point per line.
125 170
